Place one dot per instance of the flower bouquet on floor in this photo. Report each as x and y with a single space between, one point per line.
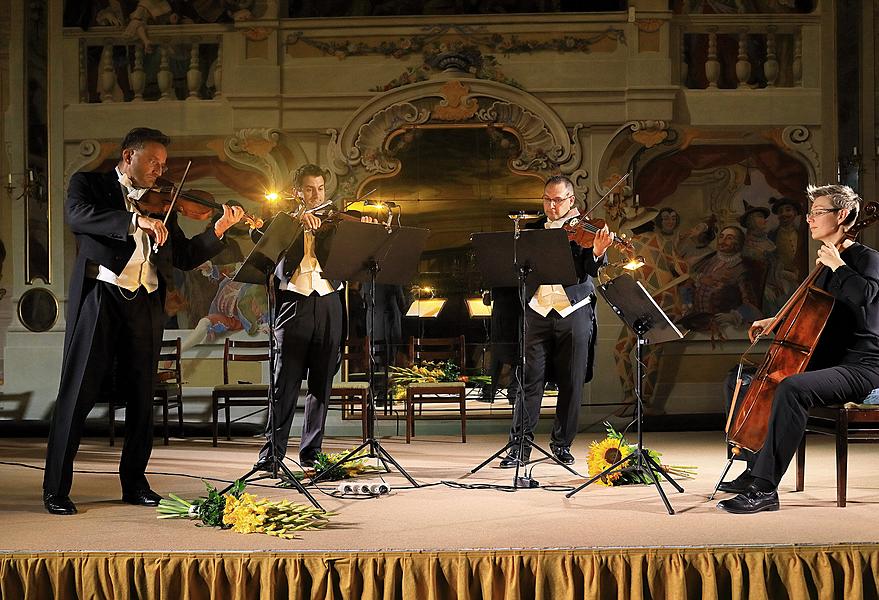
614 448
429 372
244 513
327 467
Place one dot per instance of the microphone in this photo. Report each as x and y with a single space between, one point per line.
518 215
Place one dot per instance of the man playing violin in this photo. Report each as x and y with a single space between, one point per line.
845 364
309 329
560 331
115 314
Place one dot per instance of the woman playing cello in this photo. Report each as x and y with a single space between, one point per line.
845 364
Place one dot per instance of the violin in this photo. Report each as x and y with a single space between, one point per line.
582 232
195 204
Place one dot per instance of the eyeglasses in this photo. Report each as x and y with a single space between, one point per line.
548 200
817 212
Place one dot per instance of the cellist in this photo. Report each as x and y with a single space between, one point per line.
845 365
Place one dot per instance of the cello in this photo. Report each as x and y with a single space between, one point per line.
798 327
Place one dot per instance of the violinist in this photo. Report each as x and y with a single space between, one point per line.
309 329
115 314
845 364
560 330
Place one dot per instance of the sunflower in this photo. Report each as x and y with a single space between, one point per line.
605 453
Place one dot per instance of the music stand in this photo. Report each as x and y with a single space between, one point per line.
367 252
259 267
423 309
510 259
637 309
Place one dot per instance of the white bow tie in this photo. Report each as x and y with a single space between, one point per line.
131 191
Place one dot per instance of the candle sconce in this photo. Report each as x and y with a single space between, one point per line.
34 193
850 167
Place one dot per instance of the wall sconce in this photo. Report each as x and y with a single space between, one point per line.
28 181
849 170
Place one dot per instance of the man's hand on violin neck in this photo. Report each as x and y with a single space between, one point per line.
231 215
154 228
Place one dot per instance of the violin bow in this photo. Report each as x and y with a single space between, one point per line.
173 201
608 193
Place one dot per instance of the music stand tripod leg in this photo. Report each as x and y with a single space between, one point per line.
644 464
522 440
375 449
277 465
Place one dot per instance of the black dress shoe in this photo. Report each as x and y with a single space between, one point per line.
145 497
750 501
263 464
512 458
57 504
563 454
307 463
738 485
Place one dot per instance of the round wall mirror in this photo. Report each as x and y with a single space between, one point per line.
38 309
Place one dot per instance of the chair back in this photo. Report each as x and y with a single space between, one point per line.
243 350
170 353
437 350
355 359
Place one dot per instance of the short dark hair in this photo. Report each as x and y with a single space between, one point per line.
139 136
569 186
308 170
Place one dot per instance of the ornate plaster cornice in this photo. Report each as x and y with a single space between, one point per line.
360 149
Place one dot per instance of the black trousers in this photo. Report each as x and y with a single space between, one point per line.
562 343
793 398
308 334
110 329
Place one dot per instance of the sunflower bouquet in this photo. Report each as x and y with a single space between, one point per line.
244 513
615 448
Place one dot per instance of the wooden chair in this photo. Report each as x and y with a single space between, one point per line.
848 423
354 385
435 350
169 384
240 393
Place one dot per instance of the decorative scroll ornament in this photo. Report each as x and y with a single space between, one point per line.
369 147
649 133
799 139
89 152
456 105
254 148
540 150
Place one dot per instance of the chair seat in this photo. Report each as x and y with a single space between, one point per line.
851 422
358 386
231 388
441 387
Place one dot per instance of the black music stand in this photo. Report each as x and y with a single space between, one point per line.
369 252
636 308
259 267
510 260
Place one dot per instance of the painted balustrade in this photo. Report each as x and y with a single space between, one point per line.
743 52
172 67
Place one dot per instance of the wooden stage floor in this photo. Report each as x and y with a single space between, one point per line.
439 516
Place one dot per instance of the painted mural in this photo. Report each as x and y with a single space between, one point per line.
726 245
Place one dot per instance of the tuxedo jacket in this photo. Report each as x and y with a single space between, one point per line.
96 214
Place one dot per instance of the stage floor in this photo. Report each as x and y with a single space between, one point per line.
440 517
